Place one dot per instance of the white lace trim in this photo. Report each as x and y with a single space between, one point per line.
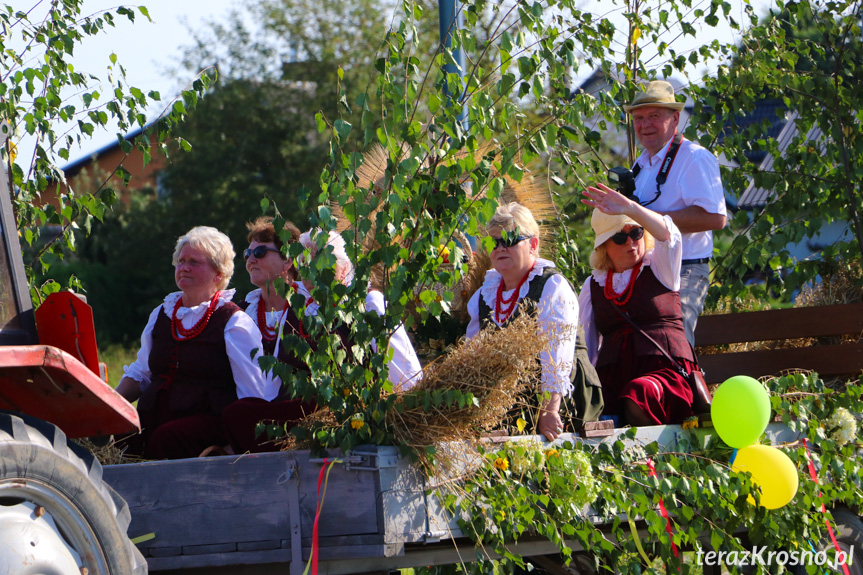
492 280
621 280
171 300
273 317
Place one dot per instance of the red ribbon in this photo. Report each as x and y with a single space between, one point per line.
664 512
814 477
320 505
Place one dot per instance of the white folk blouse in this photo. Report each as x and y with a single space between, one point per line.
241 337
557 306
404 367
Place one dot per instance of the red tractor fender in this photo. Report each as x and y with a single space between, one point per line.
59 381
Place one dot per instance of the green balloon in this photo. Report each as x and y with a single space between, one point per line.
740 411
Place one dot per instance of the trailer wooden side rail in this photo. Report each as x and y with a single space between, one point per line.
827 358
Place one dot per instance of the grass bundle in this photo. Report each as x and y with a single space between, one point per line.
497 368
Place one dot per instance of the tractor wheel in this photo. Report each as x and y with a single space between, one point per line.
56 514
848 530
849 535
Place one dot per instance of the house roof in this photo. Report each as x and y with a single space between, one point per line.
598 81
755 197
75 166
774 111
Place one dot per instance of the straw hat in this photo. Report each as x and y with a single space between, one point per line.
605 226
659 94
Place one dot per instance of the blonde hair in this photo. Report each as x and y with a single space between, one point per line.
599 259
512 216
215 245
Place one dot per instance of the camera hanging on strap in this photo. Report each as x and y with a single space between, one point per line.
623 180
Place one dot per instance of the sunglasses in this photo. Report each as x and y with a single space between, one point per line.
620 237
259 252
509 241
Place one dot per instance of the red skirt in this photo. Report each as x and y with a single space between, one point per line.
652 382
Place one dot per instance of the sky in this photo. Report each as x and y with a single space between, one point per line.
149 50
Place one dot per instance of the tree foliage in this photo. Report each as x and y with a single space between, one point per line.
515 495
443 175
254 137
57 107
809 56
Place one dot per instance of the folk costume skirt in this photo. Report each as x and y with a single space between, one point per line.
650 381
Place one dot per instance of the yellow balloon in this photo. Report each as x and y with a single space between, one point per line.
771 470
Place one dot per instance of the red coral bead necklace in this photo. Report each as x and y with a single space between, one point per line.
622 298
181 333
503 308
268 335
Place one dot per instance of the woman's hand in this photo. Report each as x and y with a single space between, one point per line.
550 425
614 203
607 200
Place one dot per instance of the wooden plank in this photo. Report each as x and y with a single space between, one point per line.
259 545
282 556
827 360
777 324
275 556
209 549
237 499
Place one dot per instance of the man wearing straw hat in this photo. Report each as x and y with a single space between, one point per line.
677 177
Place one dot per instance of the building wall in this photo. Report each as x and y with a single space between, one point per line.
87 176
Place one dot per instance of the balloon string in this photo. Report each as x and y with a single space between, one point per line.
733 457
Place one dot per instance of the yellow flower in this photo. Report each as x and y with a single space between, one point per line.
552 453
501 463
357 423
347 392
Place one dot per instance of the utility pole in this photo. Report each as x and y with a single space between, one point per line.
450 20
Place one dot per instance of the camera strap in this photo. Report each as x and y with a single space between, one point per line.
667 161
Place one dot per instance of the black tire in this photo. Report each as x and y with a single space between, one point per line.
848 530
39 466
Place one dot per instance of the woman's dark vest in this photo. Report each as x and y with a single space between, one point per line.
653 307
196 372
534 293
585 402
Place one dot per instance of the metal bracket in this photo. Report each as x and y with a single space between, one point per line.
364 461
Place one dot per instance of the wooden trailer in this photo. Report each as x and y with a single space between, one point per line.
256 513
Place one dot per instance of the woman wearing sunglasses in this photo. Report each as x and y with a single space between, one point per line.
517 274
631 296
196 355
276 279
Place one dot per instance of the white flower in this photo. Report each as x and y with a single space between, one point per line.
526 456
842 426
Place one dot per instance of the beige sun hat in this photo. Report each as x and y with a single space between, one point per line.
605 226
659 94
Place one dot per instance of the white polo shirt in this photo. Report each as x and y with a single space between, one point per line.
692 181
